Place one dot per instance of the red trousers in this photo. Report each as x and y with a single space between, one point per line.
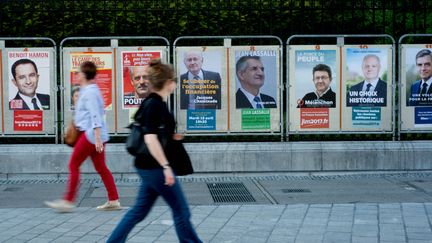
83 149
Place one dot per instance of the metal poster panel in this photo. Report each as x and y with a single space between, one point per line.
202 92
367 88
416 90
314 88
255 89
103 58
29 91
131 91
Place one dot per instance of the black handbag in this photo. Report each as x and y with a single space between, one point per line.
135 144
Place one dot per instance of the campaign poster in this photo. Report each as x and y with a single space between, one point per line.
200 80
29 80
103 79
418 76
313 84
256 73
415 87
134 78
366 78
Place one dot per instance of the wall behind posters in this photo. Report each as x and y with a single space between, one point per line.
30 95
363 108
416 107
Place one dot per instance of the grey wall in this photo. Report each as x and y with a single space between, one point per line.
239 157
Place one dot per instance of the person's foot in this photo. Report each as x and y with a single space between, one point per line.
109 206
61 205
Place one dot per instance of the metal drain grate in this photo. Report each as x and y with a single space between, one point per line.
230 193
295 190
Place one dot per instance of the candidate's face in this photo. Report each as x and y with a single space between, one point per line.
26 79
424 67
253 75
193 62
139 80
371 68
321 80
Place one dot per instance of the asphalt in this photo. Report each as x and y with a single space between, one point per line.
361 207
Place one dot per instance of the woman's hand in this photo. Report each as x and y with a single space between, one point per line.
169 176
99 146
178 136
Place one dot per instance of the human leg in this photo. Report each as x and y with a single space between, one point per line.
101 168
174 197
145 200
80 152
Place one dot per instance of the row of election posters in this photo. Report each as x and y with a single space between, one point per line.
228 89
351 89
340 89
235 89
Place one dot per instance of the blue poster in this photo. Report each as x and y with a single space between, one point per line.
201 120
366 116
423 115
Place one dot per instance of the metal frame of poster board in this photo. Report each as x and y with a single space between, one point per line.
115 129
227 45
340 43
401 45
53 87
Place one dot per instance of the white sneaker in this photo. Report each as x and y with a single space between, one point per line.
109 206
61 205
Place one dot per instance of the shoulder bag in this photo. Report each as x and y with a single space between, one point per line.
71 134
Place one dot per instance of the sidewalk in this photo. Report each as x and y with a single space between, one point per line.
364 208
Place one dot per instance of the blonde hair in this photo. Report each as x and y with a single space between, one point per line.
159 74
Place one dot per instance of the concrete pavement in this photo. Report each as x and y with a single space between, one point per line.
368 207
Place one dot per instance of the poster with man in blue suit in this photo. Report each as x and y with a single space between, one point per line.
367 77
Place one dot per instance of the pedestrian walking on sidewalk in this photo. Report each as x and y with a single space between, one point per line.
157 177
93 135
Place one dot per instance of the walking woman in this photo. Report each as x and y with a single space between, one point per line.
92 137
156 174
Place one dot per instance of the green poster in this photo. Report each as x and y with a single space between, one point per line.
255 119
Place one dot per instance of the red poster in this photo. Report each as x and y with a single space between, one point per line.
104 78
133 62
28 120
314 118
